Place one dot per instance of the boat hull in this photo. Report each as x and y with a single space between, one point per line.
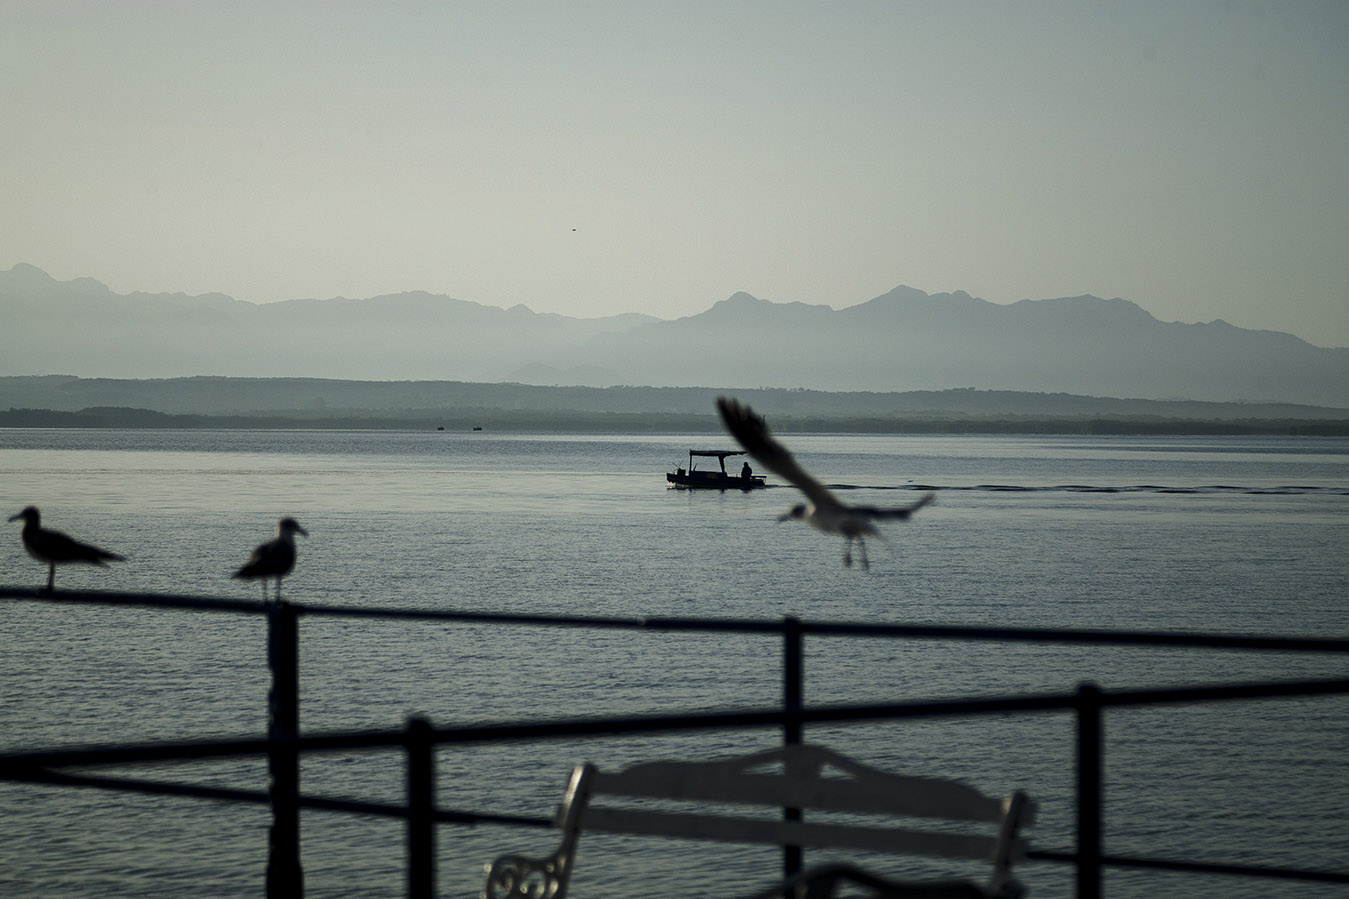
710 480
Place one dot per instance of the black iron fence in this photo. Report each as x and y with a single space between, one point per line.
285 744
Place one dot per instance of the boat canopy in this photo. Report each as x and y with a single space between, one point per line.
723 479
719 455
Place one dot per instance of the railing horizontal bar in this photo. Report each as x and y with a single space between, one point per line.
745 719
449 816
20 764
190 751
1091 636
727 625
1122 861
595 621
260 797
141 785
146 600
1224 692
1051 855
441 816
560 728
23 762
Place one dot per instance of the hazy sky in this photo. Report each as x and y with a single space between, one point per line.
595 158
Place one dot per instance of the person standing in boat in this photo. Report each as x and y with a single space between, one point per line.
746 472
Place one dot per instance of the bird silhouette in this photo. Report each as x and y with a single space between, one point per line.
56 548
275 558
824 511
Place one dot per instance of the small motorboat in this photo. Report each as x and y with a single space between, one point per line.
715 478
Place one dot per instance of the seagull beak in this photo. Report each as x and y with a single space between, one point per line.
300 530
15 517
784 516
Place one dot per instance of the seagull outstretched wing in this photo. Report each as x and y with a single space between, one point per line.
755 437
824 511
892 511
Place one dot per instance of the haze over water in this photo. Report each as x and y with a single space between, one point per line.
1225 535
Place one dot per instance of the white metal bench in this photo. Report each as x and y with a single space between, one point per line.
808 777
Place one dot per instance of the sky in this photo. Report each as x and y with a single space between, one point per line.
595 158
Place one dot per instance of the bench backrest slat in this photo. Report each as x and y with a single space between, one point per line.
806 834
897 795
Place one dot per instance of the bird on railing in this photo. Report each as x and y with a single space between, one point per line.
824 512
56 548
275 558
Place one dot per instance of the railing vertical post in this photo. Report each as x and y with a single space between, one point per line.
285 877
421 797
793 686
1090 791
792 677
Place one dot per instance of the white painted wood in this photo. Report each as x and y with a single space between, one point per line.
809 777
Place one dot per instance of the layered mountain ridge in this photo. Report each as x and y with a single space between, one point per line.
904 340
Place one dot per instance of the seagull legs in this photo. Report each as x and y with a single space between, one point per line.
51 577
847 552
276 591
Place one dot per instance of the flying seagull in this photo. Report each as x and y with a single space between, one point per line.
56 548
275 558
824 512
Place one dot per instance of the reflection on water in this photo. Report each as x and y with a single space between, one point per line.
1220 534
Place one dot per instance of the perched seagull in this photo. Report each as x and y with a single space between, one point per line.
56 548
275 558
824 512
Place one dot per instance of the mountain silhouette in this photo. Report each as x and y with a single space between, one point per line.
909 340
904 340
81 327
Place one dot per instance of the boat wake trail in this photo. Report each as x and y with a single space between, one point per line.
1213 489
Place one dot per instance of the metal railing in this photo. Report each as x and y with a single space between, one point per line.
285 744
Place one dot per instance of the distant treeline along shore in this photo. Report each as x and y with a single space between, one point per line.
656 423
212 402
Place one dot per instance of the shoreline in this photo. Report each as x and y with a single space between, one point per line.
485 420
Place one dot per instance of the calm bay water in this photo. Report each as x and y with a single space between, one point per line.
1224 534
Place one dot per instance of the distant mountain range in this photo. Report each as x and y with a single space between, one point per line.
905 340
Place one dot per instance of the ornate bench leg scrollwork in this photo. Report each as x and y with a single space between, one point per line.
522 877
519 877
